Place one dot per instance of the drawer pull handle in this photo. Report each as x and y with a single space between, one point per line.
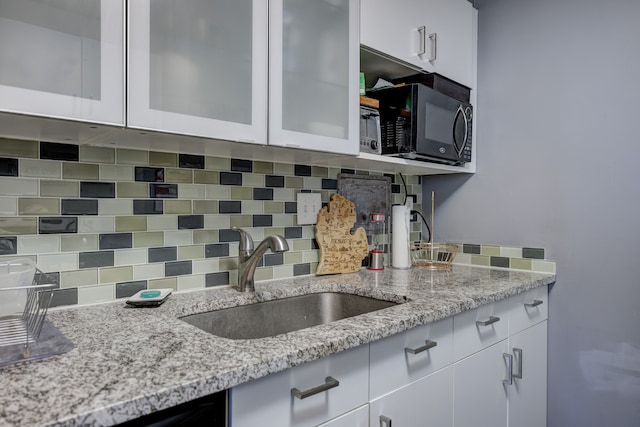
330 383
535 303
509 359
517 353
422 31
491 321
385 421
427 345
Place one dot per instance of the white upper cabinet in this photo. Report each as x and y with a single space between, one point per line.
199 67
313 74
63 59
435 35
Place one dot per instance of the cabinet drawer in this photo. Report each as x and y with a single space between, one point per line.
400 359
527 309
270 401
479 328
356 418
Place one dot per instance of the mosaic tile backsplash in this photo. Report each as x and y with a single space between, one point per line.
108 222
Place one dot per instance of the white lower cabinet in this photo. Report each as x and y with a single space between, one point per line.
356 418
426 402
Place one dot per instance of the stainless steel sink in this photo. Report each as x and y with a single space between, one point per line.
270 318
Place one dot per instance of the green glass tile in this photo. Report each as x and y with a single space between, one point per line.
228 264
263 273
116 274
205 207
263 167
490 250
205 177
126 156
12 225
97 154
190 252
79 243
18 148
292 257
148 239
241 193
132 190
131 223
273 207
217 163
301 244
362 172
166 283
205 236
282 271
274 230
88 171
240 221
177 206
59 188
293 182
72 279
521 264
480 260
157 158
38 206
184 176
320 172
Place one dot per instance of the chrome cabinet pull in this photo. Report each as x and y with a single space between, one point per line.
330 383
427 345
491 321
385 421
509 359
517 352
535 303
434 45
422 31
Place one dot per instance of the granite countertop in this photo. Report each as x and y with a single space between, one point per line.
128 362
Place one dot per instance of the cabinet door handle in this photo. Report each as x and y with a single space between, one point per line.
517 353
509 359
427 345
434 46
330 383
491 321
422 31
385 421
535 303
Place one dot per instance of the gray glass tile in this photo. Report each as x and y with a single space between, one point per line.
96 259
215 250
79 207
302 170
98 189
241 165
50 278
329 184
216 279
301 269
57 225
115 241
262 220
293 232
147 207
470 249
61 297
351 171
263 194
273 259
163 191
396 189
229 206
191 161
392 176
499 261
291 207
535 253
190 222
178 268
228 236
8 167
127 289
274 181
230 178
169 253
55 151
314 244
149 174
8 245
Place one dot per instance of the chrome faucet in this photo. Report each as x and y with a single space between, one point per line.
248 258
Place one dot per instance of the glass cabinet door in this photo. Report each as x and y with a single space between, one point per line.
314 74
63 59
199 67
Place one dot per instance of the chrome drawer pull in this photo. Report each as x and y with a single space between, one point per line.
509 359
427 345
385 421
535 303
491 321
517 352
330 383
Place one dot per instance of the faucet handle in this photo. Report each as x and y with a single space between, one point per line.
246 242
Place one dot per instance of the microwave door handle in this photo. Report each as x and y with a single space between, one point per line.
466 130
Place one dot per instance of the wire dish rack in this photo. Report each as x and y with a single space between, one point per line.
434 256
25 334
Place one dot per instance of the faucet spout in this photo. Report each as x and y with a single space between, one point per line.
248 258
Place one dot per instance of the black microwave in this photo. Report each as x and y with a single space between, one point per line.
418 122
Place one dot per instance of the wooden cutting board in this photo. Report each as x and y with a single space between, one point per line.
340 251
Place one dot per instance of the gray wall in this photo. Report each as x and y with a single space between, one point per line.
558 126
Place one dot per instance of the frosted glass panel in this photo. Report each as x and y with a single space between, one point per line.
316 67
51 46
200 62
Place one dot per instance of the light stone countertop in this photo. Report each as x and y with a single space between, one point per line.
128 362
